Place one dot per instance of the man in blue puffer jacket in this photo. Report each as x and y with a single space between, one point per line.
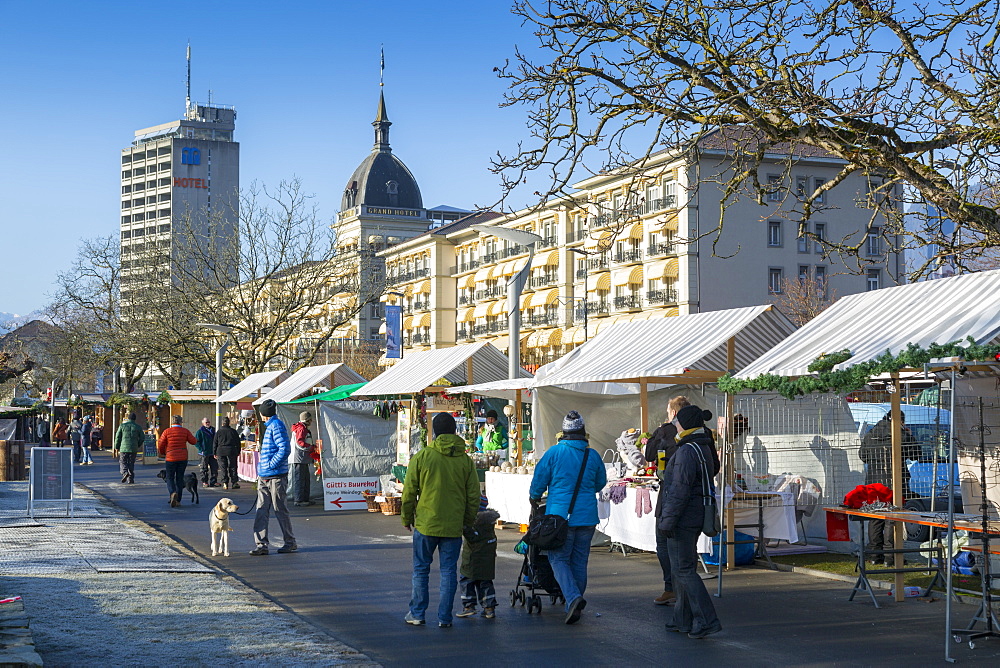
557 472
272 482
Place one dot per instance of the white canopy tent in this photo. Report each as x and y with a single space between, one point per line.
870 323
499 389
255 382
668 356
302 381
472 363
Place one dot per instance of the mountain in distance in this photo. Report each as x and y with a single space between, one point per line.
11 321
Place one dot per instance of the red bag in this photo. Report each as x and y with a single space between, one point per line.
837 527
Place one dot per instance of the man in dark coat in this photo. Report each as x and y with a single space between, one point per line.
876 453
227 450
681 519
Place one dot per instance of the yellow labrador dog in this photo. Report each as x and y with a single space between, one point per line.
218 522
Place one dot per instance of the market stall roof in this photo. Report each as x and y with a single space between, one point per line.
336 393
190 396
676 348
501 389
306 378
418 371
869 324
251 384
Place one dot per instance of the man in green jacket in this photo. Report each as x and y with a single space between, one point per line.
128 441
440 497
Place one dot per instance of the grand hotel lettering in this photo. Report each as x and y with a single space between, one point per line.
392 212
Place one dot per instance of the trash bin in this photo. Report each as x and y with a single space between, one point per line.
11 461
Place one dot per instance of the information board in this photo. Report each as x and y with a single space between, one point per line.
345 493
149 446
51 477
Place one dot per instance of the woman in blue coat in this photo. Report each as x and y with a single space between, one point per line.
557 472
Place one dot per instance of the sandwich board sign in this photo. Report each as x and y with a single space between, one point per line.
51 478
345 493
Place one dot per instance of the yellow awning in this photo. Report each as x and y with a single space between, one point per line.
498 307
527 301
580 336
603 282
425 320
636 232
484 273
656 269
408 290
671 312
465 315
533 339
570 334
554 337
467 281
668 222
501 343
423 287
408 322
600 242
602 324
547 297
550 259
517 265
481 310
627 276
672 268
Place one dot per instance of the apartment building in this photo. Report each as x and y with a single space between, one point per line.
637 244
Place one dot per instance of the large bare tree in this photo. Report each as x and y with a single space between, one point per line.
903 93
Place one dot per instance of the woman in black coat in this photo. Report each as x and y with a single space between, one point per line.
681 518
227 449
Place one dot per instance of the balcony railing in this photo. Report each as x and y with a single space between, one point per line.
541 320
463 334
420 306
665 248
597 308
479 330
666 202
661 296
548 242
468 266
420 338
576 235
498 326
626 303
490 258
465 300
597 263
628 256
489 293
543 280
581 273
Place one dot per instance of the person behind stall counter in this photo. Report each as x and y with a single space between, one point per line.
493 436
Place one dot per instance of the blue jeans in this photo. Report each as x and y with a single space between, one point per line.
693 610
423 557
175 477
569 563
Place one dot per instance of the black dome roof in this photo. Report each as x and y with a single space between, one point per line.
382 179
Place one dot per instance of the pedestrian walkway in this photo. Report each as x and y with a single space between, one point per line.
104 589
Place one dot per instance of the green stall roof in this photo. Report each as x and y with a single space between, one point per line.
336 393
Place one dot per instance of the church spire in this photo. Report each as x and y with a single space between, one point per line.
381 125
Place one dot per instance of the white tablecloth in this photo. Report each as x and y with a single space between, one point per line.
622 525
508 495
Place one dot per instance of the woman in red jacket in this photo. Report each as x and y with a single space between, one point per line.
172 446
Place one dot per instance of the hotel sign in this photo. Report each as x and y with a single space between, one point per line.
380 211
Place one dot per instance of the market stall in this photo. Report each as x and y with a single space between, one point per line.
421 384
943 326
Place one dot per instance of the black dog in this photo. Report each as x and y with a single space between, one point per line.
190 484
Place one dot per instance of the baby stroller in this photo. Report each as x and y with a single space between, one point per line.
536 578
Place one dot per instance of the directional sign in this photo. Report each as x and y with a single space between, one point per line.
346 493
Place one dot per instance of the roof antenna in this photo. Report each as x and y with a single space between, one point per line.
187 97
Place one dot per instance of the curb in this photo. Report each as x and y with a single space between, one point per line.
17 648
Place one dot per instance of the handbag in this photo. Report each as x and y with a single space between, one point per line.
549 532
711 525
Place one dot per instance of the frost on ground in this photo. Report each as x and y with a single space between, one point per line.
166 619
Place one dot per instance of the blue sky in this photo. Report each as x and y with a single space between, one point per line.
80 78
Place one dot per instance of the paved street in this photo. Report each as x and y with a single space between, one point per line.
351 578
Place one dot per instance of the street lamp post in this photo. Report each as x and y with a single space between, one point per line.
219 355
586 272
514 287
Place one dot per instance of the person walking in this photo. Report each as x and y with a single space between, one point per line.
272 482
127 442
227 451
688 474
440 497
572 475
97 437
75 434
59 433
172 446
660 447
42 431
85 440
302 463
479 563
206 448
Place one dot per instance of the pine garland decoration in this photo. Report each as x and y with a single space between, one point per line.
857 376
